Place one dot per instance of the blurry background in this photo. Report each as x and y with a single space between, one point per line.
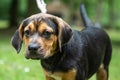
12 12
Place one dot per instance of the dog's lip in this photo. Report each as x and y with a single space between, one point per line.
34 56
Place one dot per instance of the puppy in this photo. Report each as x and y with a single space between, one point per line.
65 54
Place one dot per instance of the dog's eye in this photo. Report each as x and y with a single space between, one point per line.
27 33
47 34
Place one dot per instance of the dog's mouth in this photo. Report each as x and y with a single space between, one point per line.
34 55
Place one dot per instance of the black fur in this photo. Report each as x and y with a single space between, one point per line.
86 20
85 52
16 41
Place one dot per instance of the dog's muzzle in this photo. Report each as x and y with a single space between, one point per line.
34 51
33 47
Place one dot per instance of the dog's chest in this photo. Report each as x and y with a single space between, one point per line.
56 75
69 75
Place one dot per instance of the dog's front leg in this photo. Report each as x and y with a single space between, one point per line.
49 78
70 75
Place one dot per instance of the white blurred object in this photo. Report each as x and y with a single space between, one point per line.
27 69
1 62
41 5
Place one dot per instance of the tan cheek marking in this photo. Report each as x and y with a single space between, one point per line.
54 46
48 44
27 40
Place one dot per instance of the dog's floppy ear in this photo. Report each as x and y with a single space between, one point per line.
17 41
64 31
17 38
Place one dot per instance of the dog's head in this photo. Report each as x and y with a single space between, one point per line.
42 35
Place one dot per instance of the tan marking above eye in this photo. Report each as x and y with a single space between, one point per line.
30 27
43 26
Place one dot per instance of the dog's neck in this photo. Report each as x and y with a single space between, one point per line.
54 61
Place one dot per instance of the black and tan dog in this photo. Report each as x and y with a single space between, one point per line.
65 54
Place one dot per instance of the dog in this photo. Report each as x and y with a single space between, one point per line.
65 54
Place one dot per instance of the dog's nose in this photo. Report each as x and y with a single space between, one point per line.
33 47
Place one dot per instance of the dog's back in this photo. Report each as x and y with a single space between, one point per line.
87 52
97 44
98 48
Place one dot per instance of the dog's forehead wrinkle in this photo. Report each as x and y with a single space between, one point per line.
33 24
50 23
37 18
27 21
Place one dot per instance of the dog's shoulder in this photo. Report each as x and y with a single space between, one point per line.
78 39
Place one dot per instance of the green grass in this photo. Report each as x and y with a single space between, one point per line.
115 64
3 24
15 67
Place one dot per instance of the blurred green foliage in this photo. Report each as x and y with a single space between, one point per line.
99 8
4 9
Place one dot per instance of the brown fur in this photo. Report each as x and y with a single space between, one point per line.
101 73
49 45
70 75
